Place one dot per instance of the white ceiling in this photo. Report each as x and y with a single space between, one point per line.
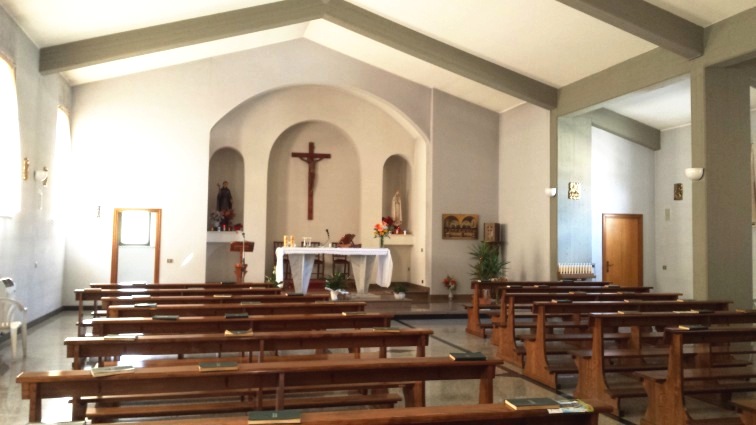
542 39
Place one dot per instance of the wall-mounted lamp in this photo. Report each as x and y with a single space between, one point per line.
550 192
694 174
42 175
25 168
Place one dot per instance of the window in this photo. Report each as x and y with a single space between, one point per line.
60 164
10 143
136 228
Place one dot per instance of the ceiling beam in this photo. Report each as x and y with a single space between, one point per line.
627 128
440 54
158 38
648 22
273 15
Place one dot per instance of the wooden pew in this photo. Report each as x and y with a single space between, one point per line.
78 384
218 324
95 294
142 310
199 299
80 348
591 363
479 414
538 364
166 285
494 287
666 389
520 317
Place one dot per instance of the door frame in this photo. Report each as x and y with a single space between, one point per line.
639 219
117 236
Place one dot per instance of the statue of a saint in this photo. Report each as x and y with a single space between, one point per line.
224 199
396 209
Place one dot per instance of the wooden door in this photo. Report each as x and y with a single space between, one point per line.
622 249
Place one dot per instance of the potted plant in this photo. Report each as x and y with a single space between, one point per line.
335 284
488 264
400 290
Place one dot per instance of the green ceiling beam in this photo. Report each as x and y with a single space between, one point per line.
274 15
648 22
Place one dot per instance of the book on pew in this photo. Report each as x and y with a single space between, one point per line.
260 417
221 295
146 305
573 406
514 286
693 327
470 356
294 294
123 337
561 300
233 332
577 292
353 313
532 403
165 317
250 302
628 312
611 285
217 366
702 311
99 372
685 311
387 329
237 315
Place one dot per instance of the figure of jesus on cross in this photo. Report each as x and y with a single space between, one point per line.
311 158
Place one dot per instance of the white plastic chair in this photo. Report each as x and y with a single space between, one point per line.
10 310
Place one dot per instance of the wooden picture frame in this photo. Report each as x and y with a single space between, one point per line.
459 226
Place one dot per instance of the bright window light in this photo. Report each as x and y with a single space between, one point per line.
60 182
135 228
10 143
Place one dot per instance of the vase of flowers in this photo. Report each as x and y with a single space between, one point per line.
451 285
381 230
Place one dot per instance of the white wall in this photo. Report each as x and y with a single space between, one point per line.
674 219
149 135
622 175
32 242
465 168
523 176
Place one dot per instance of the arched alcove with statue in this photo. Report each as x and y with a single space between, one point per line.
360 133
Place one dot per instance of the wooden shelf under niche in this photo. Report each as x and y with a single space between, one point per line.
223 237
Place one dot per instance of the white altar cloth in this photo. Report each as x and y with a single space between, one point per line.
301 261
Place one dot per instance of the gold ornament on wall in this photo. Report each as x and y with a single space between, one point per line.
573 191
678 191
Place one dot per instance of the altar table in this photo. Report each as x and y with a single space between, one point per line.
301 261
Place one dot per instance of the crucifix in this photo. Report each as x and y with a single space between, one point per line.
311 158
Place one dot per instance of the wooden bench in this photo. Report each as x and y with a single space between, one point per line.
494 290
145 310
80 348
506 333
218 324
480 414
95 294
667 389
591 363
540 365
200 299
163 285
37 386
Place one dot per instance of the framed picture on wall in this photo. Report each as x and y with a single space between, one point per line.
459 226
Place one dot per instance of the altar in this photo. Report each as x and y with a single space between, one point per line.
301 261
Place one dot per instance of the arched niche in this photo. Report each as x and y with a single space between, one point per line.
226 164
397 178
336 194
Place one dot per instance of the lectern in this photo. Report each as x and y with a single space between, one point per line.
240 269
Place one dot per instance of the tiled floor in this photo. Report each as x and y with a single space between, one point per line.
46 352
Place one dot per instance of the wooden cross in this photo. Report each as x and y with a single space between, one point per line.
311 158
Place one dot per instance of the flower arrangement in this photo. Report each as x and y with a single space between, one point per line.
381 230
450 283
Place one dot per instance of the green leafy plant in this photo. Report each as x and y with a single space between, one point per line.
399 287
487 263
335 282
